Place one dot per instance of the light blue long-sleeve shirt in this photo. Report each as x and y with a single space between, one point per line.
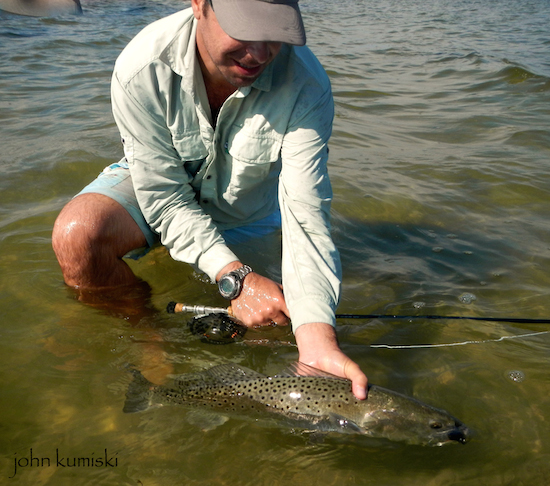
268 148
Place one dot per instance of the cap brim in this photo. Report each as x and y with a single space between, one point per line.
265 21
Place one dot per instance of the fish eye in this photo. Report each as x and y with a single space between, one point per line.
436 425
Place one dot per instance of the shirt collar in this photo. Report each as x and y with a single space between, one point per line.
180 54
264 82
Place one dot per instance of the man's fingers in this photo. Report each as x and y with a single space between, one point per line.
358 379
359 390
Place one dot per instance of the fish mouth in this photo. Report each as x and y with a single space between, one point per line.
460 434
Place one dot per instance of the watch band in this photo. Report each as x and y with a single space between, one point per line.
242 272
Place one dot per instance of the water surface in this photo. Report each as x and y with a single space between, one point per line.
439 162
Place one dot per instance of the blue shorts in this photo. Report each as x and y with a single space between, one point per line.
115 182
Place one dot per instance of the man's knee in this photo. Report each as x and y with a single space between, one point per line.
76 236
91 232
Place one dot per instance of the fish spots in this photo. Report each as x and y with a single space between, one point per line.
297 396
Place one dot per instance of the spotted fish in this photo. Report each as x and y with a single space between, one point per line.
302 397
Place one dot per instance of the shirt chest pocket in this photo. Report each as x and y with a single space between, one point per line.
191 151
255 160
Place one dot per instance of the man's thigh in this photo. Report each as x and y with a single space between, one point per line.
115 182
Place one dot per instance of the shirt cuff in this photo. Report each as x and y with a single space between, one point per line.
213 260
309 310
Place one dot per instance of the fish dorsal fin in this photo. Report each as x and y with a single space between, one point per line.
231 372
301 369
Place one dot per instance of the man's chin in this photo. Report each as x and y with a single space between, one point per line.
242 82
241 79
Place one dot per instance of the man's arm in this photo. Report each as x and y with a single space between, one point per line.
311 263
163 186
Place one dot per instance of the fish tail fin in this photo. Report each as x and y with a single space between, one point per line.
139 395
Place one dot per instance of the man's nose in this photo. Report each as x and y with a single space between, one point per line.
259 51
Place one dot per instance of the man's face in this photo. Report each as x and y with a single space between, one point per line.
225 59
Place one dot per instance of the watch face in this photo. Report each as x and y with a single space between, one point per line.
227 286
231 283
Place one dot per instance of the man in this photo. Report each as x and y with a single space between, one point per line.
225 124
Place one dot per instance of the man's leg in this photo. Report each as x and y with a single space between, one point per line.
90 236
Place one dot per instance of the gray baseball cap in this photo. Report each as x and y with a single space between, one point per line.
261 20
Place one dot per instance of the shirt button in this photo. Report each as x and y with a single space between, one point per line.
208 177
205 201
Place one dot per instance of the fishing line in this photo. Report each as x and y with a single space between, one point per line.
463 343
517 320
219 336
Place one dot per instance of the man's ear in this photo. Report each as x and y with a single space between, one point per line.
197 6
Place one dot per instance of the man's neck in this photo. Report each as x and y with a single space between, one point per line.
216 98
217 90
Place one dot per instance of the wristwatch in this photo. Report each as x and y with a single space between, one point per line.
231 283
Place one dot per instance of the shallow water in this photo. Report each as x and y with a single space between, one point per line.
440 167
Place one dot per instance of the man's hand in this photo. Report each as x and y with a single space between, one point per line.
318 347
261 302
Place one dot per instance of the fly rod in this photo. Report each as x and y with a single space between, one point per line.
174 307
